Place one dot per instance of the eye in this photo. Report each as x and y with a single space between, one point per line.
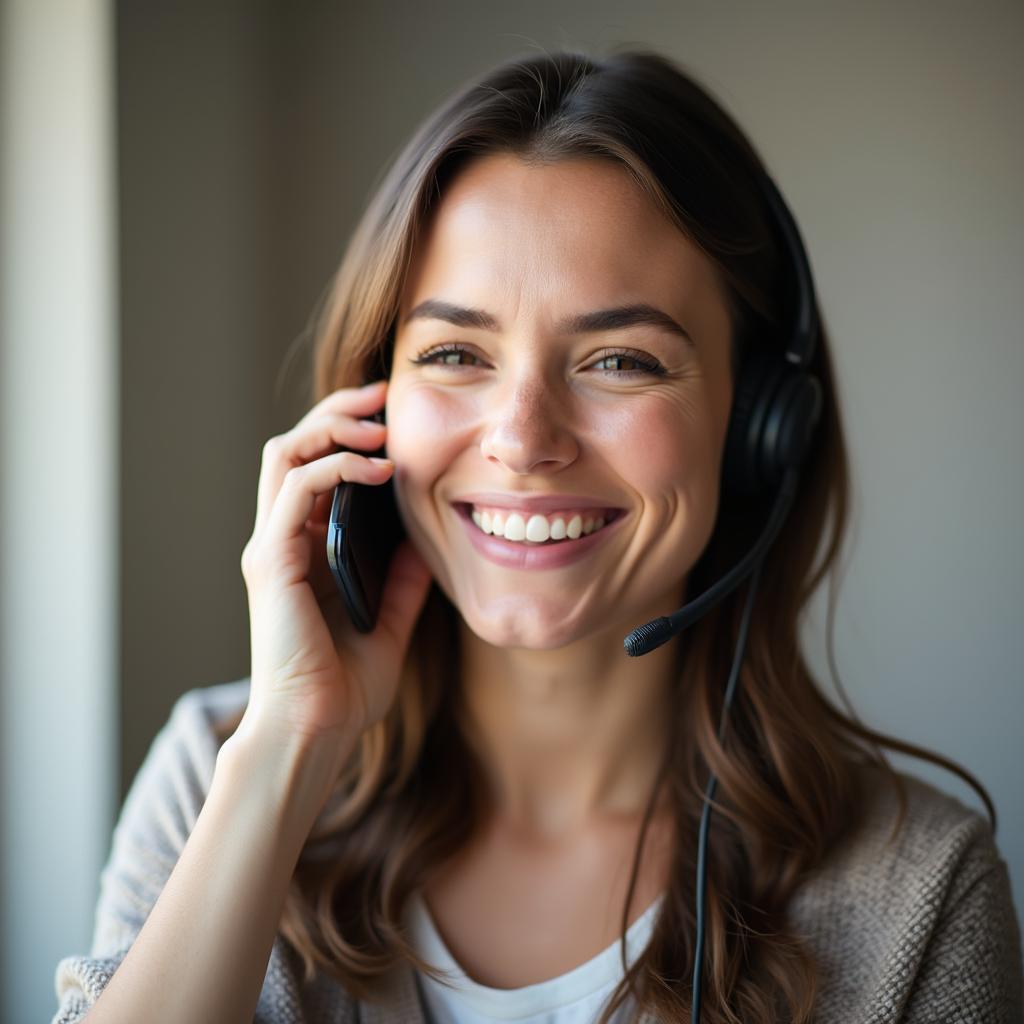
451 355
647 364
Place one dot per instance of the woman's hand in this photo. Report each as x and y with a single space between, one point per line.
315 678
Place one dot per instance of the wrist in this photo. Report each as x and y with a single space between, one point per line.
294 773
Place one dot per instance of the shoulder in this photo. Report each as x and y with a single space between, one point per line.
206 712
170 786
902 901
199 722
177 771
932 842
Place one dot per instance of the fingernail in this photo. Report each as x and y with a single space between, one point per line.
381 462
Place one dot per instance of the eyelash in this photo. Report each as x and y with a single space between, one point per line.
647 363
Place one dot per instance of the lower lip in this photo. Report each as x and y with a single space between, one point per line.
524 555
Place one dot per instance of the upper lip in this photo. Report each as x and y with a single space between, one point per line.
540 503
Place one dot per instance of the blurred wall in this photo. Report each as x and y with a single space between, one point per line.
200 339
250 136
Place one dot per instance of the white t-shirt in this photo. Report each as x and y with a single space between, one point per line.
576 997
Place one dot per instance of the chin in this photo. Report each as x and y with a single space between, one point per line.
534 629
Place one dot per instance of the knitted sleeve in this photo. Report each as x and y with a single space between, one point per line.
158 815
971 968
914 925
156 819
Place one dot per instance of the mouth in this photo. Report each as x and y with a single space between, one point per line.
534 531
551 554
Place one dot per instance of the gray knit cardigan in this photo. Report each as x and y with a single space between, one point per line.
919 930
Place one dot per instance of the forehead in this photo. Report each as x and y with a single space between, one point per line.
566 235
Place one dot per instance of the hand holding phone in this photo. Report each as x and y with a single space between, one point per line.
317 682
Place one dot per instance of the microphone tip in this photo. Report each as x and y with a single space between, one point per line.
647 637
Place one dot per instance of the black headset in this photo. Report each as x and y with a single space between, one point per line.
776 407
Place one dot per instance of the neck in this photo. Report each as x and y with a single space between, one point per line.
570 737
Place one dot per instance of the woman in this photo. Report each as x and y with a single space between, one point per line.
484 809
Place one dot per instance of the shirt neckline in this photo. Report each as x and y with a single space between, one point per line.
600 971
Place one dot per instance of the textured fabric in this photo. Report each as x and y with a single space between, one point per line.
919 931
576 997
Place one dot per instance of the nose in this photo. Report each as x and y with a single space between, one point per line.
528 430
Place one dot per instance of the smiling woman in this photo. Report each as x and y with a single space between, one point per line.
545 270
565 278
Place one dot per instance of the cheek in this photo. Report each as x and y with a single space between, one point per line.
660 446
423 431
416 420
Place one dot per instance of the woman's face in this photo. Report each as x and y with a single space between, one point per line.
530 406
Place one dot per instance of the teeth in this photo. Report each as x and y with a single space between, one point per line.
515 528
537 529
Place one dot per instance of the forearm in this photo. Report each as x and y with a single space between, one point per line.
202 954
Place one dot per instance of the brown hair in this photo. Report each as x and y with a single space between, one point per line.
790 769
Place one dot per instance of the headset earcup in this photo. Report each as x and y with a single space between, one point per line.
741 472
774 412
791 422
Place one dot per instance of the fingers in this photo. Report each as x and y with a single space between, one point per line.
302 484
350 401
329 425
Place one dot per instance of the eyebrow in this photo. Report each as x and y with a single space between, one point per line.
616 318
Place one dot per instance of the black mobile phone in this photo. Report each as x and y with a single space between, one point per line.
363 532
